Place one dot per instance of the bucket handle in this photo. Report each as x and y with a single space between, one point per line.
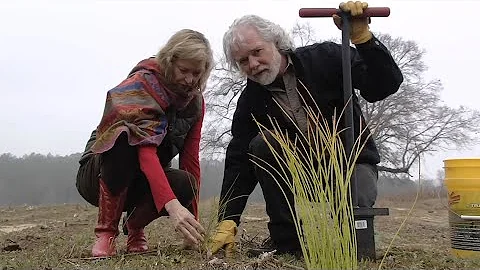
470 217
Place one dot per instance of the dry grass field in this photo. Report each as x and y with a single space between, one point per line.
60 237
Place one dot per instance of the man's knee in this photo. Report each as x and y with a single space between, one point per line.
367 176
261 146
257 145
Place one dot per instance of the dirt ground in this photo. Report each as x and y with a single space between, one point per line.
61 236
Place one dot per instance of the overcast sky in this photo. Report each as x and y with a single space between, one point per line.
58 58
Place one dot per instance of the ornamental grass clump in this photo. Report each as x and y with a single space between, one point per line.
317 169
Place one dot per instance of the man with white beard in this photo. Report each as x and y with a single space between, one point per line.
281 82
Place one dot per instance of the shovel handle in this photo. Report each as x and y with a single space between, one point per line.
328 12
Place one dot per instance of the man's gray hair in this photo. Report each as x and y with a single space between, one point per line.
271 32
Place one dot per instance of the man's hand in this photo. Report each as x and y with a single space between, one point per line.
360 32
224 237
185 222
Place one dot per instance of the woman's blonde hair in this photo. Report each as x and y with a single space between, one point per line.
187 45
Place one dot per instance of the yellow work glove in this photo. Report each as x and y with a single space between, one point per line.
224 237
360 32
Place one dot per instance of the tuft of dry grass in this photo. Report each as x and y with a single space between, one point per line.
317 168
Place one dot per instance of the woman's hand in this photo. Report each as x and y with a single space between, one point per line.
189 245
185 222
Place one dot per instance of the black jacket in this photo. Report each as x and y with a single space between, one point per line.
319 67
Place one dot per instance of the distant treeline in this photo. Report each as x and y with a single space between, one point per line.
50 179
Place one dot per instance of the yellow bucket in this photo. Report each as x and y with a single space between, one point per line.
462 178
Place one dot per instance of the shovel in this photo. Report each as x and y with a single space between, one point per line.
363 215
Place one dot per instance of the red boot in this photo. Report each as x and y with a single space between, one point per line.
136 240
141 216
110 210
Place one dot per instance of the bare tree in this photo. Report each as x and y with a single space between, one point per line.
414 120
405 125
221 99
303 34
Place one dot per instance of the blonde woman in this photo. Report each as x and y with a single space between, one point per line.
149 118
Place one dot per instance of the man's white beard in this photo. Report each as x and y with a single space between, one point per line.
268 76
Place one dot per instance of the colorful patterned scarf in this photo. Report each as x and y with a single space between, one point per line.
137 106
